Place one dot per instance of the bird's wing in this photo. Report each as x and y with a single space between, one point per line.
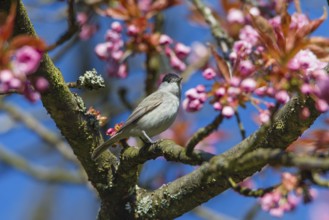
142 109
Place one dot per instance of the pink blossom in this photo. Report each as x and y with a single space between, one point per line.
27 60
305 113
111 132
261 91
270 91
235 16
31 94
132 30
117 55
306 89
217 106
305 60
249 34
198 51
220 92
228 111
321 105
112 35
192 105
192 94
102 50
15 83
182 50
200 88
275 22
41 84
87 31
82 18
289 181
254 11
246 67
264 116
176 63
276 204
282 97
6 76
203 97
195 98
235 81
248 85
299 20
233 91
209 73
242 48
322 84
165 40
144 5
122 71
116 26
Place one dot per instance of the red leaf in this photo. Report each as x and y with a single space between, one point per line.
6 29
117 13
221 64
23 40
307 29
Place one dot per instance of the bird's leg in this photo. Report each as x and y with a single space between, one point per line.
146 139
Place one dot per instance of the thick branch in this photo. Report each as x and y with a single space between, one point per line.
167 148
68 112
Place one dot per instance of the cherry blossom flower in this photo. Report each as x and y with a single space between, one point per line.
209 73
228 111
277 204
235 16
195 98
27 60
249 34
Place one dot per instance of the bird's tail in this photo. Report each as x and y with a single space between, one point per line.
103 147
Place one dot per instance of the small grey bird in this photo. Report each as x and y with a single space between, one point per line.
153 115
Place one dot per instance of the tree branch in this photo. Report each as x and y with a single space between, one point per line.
16 113
202 133
223 40
69 113
210 179
38 172
167 148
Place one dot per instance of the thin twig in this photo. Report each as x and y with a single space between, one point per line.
72 27
319 180
123 97
10 92
223 40
208 214
252 212
63 50
39 172
249 192
33 124
153 60
240 124
202 133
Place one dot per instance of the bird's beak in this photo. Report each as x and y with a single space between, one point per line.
180 79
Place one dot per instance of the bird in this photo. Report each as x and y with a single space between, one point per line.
153 115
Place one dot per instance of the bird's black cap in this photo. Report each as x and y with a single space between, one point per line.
171 77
